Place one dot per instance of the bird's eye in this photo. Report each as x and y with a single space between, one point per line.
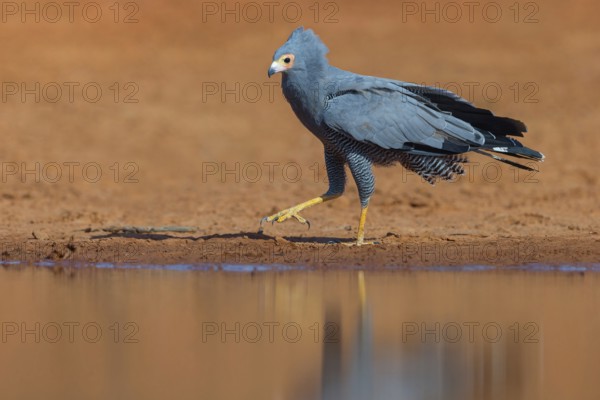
287 60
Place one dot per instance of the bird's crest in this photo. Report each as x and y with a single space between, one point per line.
307 40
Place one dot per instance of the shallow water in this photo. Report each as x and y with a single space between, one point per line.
249 332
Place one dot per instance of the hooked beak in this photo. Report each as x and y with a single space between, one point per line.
275 68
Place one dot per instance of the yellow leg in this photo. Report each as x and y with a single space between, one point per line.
293 212
361 226
360 239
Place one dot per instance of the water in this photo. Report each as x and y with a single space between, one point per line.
252 332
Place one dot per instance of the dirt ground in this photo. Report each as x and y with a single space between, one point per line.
166 117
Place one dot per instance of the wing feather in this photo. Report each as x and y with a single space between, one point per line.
382 112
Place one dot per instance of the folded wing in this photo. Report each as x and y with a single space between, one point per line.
384 113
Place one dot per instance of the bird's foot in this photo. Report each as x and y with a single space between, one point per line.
284 215
361 242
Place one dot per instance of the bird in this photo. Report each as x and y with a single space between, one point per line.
365 121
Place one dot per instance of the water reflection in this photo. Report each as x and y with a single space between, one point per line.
450 360
113 333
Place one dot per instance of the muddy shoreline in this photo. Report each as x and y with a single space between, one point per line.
260 250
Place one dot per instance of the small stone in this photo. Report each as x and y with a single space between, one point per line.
39 235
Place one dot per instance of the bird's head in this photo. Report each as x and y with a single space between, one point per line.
282 63
303 51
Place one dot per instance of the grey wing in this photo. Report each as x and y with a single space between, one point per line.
382 112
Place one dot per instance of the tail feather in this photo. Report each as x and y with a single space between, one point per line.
505 160
520 152
509 146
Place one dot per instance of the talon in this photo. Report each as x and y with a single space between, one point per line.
299 218
260 226
284 216
293 212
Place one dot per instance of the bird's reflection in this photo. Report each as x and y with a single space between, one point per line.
357 366
354 379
